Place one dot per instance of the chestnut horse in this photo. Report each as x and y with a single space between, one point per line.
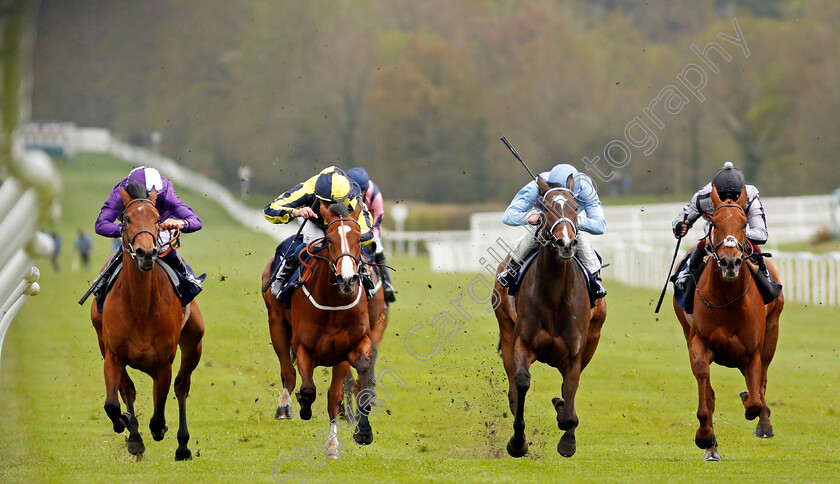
731 325
142 325
550 318
326 327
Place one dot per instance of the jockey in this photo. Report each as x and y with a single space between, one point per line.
329 186
174 213
373 199
729 182
523 210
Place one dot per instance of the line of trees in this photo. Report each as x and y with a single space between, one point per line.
419 92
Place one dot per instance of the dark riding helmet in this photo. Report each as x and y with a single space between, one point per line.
334 186
360 176
729 181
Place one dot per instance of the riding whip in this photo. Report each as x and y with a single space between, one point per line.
676 251
513 150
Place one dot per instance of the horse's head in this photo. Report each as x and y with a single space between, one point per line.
728 233
559 216
344 243
140 224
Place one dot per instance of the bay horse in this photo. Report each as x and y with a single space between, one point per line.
731 325
142 324
550 318
327 325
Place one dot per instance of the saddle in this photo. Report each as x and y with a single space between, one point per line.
184 289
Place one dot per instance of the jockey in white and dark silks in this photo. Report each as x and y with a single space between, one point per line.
302 201
174 214
373 200
729 182
524 209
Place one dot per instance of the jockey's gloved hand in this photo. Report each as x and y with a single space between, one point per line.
680 229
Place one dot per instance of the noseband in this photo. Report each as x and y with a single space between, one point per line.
549 234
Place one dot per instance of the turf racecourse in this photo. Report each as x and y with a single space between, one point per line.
448 421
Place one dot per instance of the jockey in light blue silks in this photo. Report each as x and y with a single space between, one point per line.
524 209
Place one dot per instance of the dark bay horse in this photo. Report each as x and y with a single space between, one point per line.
550 319
142 325
328 325
731 325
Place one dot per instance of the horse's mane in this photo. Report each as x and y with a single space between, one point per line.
136 190
339 209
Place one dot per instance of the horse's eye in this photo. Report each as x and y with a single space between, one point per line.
127 219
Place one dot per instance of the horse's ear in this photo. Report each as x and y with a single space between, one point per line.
742 199
125 196
716 202
570 182
323 210
542 185
153 195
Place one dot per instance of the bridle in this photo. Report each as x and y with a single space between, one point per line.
334 262
548 232
744 247
728 241
128 245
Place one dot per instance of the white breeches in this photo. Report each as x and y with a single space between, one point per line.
310 231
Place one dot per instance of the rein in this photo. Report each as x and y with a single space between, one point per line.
128 246
712 306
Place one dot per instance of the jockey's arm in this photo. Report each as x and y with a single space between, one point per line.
519 210
105 225
591 219
756 223
377 212
689 213
282 209
183 216
364 223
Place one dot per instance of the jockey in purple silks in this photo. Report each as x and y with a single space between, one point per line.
174 214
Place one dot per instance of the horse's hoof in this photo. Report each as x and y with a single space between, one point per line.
567 446
712 456
516 450
332 455
136 447
183 454
705 443
764 432
283 412
160 433
305 413
363 438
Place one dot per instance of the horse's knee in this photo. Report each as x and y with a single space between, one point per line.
363 364
522 378
700 369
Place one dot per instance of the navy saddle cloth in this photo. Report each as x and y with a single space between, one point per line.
512 290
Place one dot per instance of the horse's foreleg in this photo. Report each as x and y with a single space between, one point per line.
128 394
191 346
364 400
566 415
700 358
162 380
113 372
752 372
307 394
518 445
339 373
281 336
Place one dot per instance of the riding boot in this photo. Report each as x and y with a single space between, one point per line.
693 263
387 286
174 260
288 268
600 290
769 291
522 248
510 273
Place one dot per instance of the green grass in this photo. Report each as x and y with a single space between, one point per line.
449 422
